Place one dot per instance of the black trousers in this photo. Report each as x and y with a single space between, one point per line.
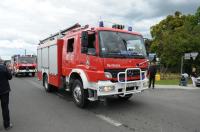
152 81
5 110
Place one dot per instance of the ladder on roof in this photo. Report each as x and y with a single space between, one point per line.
61 33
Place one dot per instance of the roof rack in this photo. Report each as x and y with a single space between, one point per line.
61 33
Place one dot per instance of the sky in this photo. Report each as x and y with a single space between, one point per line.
24 22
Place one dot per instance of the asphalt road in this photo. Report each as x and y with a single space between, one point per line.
159 110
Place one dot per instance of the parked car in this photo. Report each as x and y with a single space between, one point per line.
198 82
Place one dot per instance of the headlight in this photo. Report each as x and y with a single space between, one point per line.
106 88
108 75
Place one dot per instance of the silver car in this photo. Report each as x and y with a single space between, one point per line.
198 82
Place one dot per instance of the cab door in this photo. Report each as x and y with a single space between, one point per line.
69 55
89 59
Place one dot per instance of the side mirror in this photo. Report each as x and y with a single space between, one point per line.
84 42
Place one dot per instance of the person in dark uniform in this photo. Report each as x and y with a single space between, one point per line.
5 75
152 74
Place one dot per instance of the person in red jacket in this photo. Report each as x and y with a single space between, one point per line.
5 75
152 74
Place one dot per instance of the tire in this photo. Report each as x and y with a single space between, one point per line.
16 75
26 74
33 74
47 86
125 98
79 94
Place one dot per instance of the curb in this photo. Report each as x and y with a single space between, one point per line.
189 87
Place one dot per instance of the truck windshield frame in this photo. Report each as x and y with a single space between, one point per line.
121 45
27 60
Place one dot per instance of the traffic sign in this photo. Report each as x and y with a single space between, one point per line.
194 55
187 56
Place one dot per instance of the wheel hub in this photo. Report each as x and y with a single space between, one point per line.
77 94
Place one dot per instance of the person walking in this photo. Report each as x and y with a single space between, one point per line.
194 77
5 75
152 74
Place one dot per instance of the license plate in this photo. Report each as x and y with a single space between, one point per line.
131 84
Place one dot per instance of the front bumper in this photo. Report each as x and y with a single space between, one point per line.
122 88
25 71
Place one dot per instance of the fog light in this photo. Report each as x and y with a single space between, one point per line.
106 88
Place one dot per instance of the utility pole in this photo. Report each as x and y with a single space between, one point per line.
181 65
25 52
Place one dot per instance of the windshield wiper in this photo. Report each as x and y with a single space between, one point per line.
138 56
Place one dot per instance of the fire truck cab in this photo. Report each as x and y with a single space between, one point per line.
93 63
23 64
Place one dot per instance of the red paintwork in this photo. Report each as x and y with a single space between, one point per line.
39 75
54 80
97 65
95 71
60 43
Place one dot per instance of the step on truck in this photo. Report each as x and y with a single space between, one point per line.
23 65
93 62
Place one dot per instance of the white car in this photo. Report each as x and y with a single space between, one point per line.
198 82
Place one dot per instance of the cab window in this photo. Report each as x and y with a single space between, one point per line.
70 45
91 47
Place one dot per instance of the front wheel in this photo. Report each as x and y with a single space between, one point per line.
46 84
79 94
33 74
126 97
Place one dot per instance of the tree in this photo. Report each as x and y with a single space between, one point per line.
175 35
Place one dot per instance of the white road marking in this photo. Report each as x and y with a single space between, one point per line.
109 120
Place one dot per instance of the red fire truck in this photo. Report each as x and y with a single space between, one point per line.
93 62
23 64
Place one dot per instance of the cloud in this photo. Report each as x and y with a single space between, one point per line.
24 22
15 44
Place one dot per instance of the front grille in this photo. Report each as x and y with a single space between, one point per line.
26 68
130 73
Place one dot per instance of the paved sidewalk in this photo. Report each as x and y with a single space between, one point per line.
189 87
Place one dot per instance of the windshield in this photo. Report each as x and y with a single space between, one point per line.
117 44
27 60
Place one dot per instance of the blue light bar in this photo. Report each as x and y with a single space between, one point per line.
130 28
101 24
